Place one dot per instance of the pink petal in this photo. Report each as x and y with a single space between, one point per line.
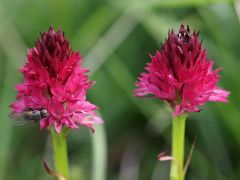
164 157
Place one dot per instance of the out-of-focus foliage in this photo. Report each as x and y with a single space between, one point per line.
115 37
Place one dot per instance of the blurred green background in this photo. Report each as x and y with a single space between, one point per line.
116 37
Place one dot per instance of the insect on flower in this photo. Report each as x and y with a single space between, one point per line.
28 116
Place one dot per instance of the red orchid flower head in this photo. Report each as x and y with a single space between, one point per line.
181 74
55 80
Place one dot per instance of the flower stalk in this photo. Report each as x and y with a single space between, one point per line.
178 133
181 74
59 144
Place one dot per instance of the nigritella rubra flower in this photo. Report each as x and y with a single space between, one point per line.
181 74
54 80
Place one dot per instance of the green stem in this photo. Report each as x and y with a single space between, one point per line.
59 144
178 132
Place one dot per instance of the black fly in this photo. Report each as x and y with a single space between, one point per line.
28 116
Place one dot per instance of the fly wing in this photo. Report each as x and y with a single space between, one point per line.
19 120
